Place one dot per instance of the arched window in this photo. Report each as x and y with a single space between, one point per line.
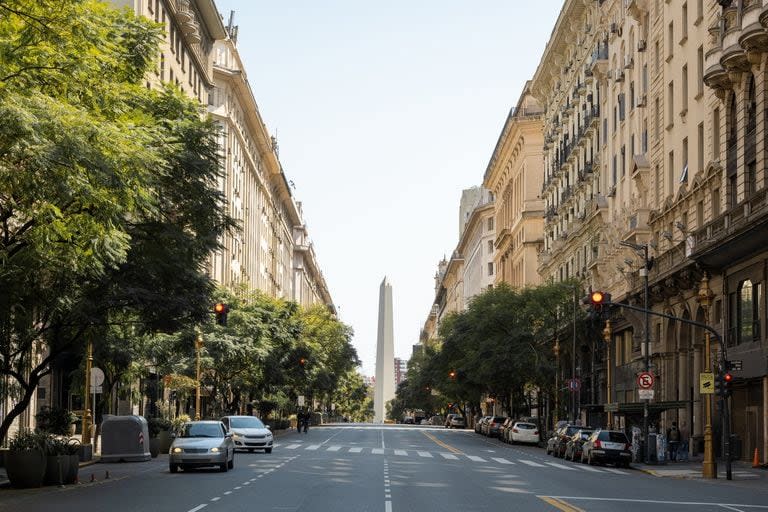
750 140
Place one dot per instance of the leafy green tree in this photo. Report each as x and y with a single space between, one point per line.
108 200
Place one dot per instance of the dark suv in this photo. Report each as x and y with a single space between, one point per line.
607 446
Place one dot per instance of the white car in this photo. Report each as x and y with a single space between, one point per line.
202 443
249 433
522 432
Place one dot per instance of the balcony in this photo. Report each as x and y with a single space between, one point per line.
734 58
637 9
598 62
637 227
734 235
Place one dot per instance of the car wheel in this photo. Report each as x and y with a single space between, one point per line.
267 450
174 468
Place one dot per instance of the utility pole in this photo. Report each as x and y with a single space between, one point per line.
573 388
198 347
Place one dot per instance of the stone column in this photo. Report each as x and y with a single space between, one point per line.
384 390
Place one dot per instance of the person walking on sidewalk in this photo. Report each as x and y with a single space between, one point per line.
683 449
673 438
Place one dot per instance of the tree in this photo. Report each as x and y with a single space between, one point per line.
108 204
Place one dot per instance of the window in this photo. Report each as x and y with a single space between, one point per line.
715 202
490 246
699 72
490 268
490 224
699 214
671 174
716 134
700 153
699 11
670 40
748 312
623 160
622 106
685 88
671 103
684 174
684 24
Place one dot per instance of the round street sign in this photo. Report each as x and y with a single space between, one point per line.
645 380
574 384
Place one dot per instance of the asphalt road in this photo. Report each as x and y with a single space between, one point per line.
386 469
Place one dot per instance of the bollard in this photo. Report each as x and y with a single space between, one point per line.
93 477
106 477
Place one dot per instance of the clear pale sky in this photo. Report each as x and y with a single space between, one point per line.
384 112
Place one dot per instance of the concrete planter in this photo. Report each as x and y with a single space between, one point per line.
25 469
56 468
70 477
154 446
165 441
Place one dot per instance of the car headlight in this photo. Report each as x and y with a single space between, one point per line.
214 450
269 434
177 450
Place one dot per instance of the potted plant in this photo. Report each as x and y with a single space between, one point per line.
25 461
57 460
156 427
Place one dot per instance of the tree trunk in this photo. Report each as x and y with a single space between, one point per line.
29 390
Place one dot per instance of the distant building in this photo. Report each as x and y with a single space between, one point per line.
401 371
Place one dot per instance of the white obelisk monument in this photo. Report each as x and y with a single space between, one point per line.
384 390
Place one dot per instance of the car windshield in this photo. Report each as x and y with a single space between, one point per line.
499 419
613 437
585 434
571 430
201 430
245 422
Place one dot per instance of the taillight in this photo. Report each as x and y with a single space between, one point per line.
515 431
535 432
597 444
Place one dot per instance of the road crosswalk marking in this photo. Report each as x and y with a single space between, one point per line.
378 451
292 446
501 460
617 471
449 456
531 463
401 452
355 450
313 447
334 448
425 454
475 458
560 466
589 468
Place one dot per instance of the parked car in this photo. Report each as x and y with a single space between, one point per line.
457 421
574 444
505 427
249 433
607 446
436 420
556 444
408 420
202 443
494 425
448 417
522 432
479 424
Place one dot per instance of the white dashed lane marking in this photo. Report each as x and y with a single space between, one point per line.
531 463
449 456
501 460
475 458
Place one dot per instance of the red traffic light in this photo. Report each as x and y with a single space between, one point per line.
220 310
302 361
219 307
597 298
728 377
452 374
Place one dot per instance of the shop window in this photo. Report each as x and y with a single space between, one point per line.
748 308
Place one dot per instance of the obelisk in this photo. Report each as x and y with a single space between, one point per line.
384 390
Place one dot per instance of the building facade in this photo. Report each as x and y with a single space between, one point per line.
514 176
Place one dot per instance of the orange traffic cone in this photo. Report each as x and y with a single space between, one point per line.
756 459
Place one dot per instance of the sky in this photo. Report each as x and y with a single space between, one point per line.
384 112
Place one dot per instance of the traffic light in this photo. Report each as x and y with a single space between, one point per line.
727 379
719 384
221 310
452 374
302 361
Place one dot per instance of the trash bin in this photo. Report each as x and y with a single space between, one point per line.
736 447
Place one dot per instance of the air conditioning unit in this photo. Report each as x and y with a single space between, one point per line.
619 77
642 45
642 100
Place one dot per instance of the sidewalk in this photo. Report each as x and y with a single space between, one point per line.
740 470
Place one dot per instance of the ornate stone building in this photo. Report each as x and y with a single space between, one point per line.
515 175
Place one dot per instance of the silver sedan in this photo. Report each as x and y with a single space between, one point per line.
202 443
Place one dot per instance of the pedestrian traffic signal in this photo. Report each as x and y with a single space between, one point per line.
220 310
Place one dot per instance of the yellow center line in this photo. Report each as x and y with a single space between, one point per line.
440 443
560 504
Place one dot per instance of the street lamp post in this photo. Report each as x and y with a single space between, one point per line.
607 334
198 347
708 467
557 379
643 250
573 388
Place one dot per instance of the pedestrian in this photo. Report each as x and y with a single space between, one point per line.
673 439
682 451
